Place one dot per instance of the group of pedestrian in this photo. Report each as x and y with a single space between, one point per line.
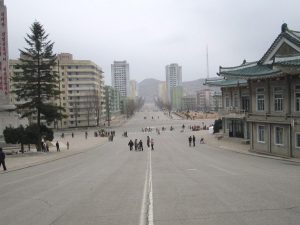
192 139
150 142
138 145
45 146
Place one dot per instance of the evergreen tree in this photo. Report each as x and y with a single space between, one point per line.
37 84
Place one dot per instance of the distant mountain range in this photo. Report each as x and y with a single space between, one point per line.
148 88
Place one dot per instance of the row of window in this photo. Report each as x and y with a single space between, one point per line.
278 136
278 100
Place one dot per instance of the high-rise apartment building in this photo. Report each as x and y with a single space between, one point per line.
82 91
173 77
120 77
4 67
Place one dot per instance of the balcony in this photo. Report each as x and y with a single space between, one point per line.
233 112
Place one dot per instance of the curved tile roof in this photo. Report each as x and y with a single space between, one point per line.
252 72
226 82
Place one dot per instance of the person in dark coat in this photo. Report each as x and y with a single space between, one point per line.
148 141
135 145
57 146
141 146
190 141
152 144
2 159
130 144
194 140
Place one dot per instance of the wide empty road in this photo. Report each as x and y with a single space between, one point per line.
173 185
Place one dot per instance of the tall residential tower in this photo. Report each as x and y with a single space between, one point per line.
120 77
173 78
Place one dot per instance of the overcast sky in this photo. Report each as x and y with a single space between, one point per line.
150 34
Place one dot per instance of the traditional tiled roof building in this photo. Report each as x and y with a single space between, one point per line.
273 86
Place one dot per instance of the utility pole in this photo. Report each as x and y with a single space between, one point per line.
207 64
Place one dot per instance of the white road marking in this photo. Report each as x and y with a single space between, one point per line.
150 207
222 169
191 169
146 216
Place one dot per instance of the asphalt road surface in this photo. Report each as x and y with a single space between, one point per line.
173 185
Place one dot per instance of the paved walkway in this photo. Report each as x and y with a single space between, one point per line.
77 145
235 144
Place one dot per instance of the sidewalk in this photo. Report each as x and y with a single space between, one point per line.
78 144
235 145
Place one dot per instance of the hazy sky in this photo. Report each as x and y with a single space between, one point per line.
150 34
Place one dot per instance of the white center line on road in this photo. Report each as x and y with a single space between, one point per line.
150 208
146 217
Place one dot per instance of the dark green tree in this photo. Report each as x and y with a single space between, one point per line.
28 135
37 84
217 125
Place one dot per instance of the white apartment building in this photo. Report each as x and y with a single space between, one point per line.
173 78
82 91
120 77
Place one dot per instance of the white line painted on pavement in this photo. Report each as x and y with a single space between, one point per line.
146 217
150 207
222 169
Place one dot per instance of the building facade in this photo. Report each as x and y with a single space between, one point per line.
189 103
112 100
81 84
120 77
4 60
274 96
205 99
133 89
173 78
176 98
235 106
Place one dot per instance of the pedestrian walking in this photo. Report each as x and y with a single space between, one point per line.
130 145
141 146
152 144
194 140
86 135
135 144
47 146
2 159
72 135
57 146
148 141
190 141
68 145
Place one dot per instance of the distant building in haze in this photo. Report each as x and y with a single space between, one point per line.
176 97
162 92
205 100
173 78
133 89
120 77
